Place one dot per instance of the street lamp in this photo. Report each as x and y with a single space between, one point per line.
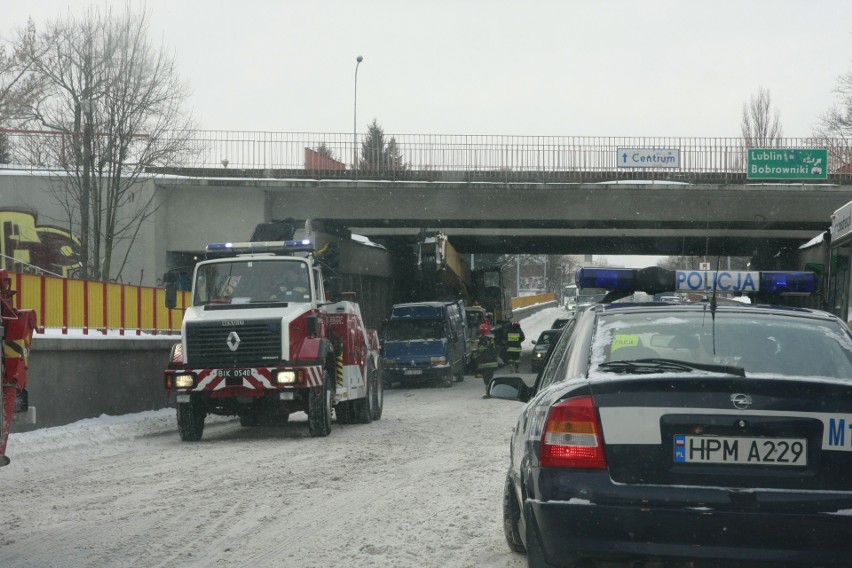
358 59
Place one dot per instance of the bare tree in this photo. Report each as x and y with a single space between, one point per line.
837 121
18 88
761 124
115 104
835 125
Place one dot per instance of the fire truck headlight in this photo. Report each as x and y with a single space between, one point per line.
184 381
286 377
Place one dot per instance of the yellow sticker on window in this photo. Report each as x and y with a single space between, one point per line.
620 341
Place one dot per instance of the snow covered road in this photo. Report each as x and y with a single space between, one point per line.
421 487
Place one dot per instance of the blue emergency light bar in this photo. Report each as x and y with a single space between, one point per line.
273 247
789 282
655 280
621 279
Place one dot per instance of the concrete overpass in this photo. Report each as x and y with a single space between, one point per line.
660 218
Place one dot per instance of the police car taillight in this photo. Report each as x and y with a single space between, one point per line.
572 436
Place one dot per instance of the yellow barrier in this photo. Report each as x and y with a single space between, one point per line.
525 301
66 303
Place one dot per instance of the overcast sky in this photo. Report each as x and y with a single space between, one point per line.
561 67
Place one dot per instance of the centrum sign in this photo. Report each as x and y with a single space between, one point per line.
648 157
787 163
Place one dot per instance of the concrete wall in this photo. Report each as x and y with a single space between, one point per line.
75 378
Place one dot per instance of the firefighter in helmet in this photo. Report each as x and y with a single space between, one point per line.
514 338
292 286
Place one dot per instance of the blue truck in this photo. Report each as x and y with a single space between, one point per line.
425 342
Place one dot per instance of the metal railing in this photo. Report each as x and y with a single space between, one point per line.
433 157
88 305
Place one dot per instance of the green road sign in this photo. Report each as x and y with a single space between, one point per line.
787 163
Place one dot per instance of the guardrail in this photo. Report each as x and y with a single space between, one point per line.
524 301
434 157
71 304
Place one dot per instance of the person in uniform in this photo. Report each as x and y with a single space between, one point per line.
514 338
291 287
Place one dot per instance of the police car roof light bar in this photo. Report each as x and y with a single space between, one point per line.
651 280
789 283
274 247
654 280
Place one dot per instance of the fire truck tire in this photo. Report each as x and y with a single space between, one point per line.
363 407
3 436
378 397
320 407
190 419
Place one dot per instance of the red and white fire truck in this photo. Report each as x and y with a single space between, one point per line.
16 334
262 340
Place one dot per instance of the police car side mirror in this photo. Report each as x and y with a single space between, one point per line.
509 388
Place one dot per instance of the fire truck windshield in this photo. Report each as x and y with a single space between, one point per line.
244 281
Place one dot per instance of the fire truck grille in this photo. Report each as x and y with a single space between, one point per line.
212 344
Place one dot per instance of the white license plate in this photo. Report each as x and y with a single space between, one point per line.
736 450
412 372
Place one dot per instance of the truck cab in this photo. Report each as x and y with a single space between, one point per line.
260 340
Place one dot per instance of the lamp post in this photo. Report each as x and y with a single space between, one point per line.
358 60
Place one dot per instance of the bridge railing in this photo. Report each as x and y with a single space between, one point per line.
447 157
86 305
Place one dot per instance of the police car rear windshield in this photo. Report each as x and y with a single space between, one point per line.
762 344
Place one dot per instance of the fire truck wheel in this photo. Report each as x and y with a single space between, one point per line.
3 437
363 407
320 407
190 419
378 400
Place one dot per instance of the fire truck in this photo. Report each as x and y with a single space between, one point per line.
16 334
262 340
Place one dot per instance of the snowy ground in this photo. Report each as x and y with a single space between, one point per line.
421 487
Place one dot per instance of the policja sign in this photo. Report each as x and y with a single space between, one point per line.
787 163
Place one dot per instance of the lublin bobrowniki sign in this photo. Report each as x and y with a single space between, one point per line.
787 163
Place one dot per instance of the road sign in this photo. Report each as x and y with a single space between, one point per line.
787 163
648 157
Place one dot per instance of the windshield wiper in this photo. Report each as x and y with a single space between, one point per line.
647 366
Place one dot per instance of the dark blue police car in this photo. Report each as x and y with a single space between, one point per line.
695 434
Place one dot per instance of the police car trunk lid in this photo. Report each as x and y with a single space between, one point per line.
727 432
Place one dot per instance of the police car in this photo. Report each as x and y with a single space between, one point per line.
708 433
